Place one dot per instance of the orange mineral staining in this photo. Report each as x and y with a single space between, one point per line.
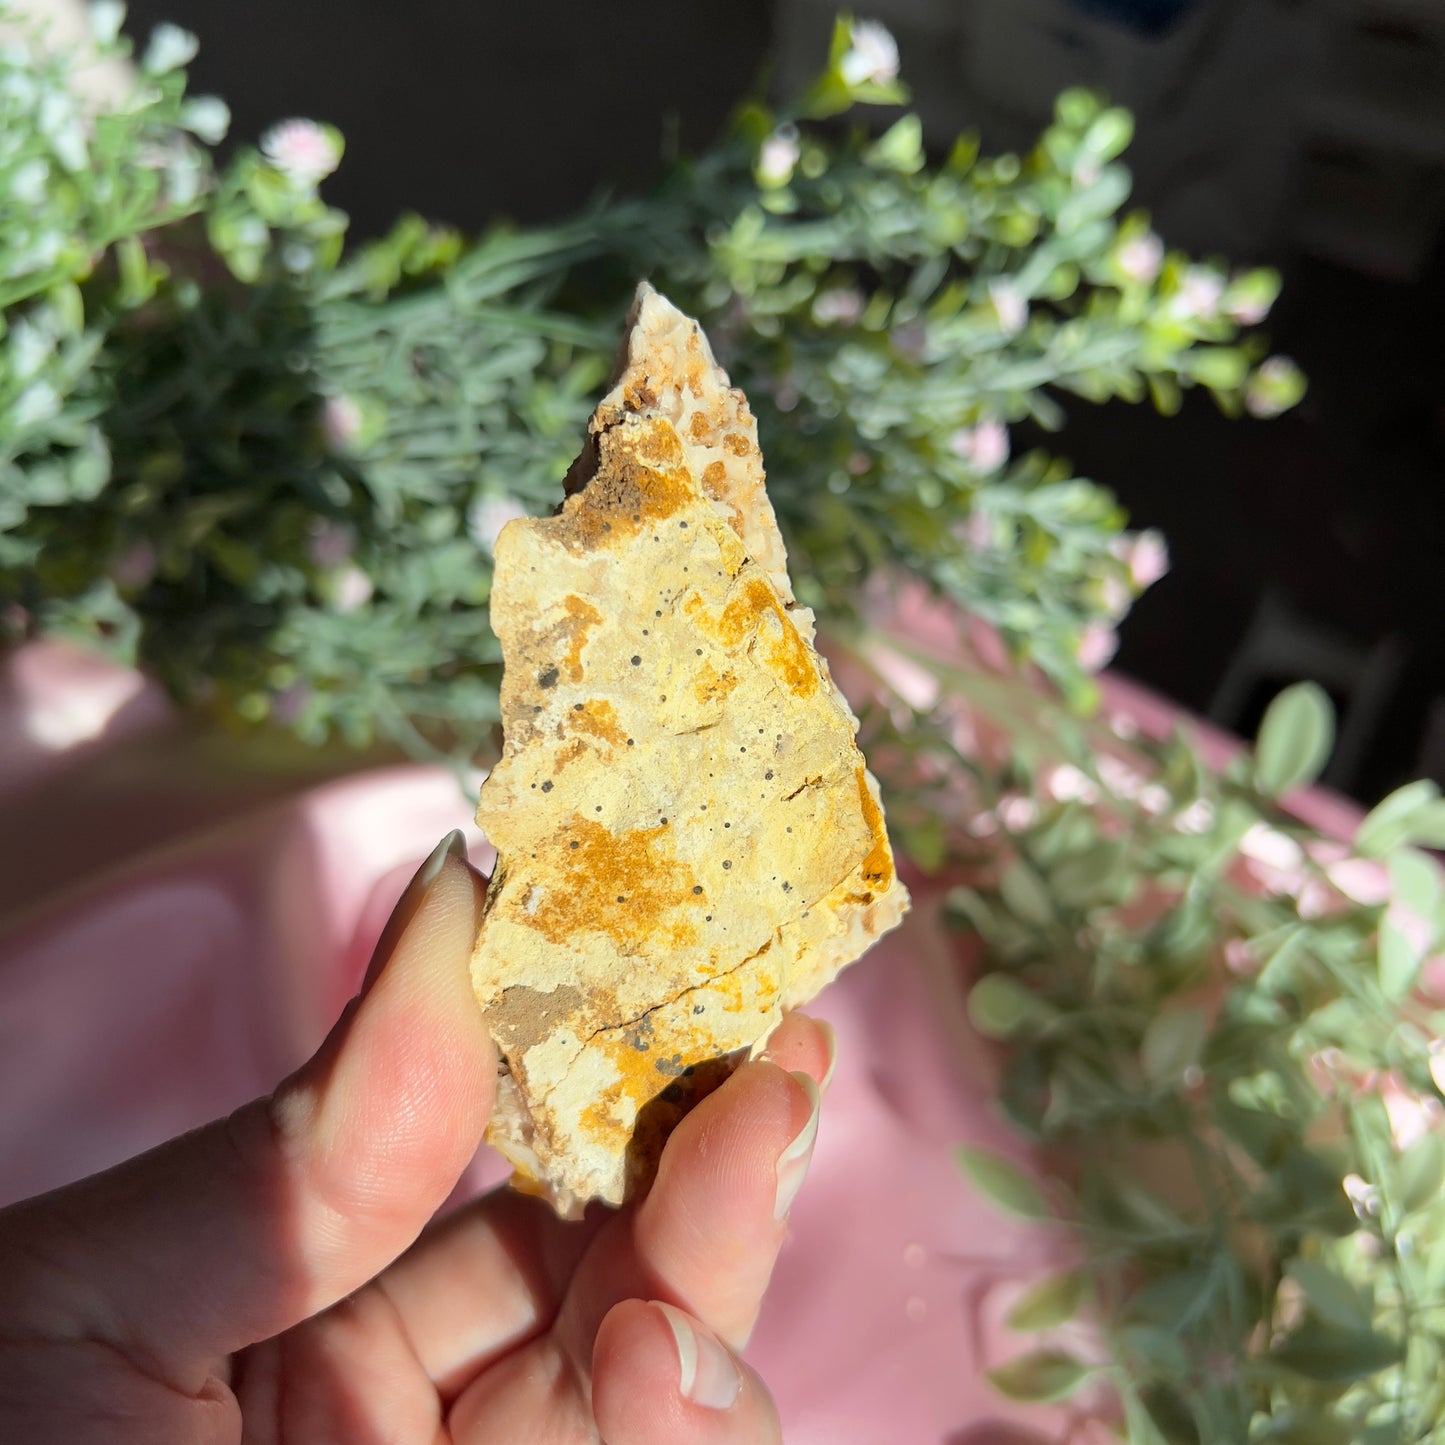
687 840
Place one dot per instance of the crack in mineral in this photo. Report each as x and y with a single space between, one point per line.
651 1009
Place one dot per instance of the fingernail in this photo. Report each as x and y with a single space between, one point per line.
832 1039
454 845
706 1373
794 1160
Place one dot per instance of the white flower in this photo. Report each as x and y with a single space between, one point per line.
59 123
1249 313
353 589
1271 847
1411 1117
302 150
207 117
27 184
1117 775
872 55
1097 646
1154 798
1365 1197
1141 258
983 825
1198 817
106 18
843 304
1267 394
341 422
1067 782
778 155
1360 880
1315 899
183 178
485 519
1239 957
1122 725
1009 305
1199 295
170 48
984 447
1016 812
1148 558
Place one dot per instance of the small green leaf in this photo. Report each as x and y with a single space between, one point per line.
1173 1042
1109 134
1003 1183
1085 877
1388 823
1415 881
1041 1377
1295 739
1419 1174
1336 1356
1427 826
1053 1301
900 147
1025 894
1220 368
1332 1297
1000 1007
1279 971
1398 962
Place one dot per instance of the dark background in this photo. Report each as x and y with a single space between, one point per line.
1309 136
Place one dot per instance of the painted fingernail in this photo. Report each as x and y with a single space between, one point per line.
794 1160
707 1374
454 845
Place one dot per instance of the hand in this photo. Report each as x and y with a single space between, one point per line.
268 1277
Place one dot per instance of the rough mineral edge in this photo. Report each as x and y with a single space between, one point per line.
689 842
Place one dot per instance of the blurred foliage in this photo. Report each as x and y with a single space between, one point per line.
1221 1029
270 470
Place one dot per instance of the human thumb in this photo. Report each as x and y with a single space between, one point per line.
243 1228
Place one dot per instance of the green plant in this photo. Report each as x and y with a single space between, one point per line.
1216 1026
270 471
